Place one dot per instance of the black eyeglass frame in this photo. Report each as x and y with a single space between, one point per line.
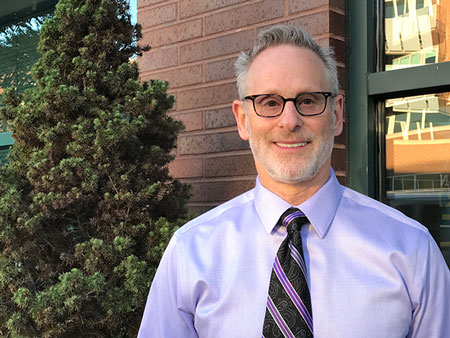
293 99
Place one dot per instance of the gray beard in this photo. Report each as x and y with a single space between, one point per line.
280 171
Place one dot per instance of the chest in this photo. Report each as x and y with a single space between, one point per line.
349 299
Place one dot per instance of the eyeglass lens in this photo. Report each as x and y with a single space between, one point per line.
306 104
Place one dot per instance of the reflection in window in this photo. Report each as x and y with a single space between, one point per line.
18 53
418 136
420 4
417 144
401 7
389 10
415 32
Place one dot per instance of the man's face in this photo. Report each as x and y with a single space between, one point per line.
289 148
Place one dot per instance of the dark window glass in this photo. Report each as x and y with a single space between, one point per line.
389 11
420 4
417 144
401 7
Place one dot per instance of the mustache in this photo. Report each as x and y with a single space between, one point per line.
302 135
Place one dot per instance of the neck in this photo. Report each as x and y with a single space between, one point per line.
295 193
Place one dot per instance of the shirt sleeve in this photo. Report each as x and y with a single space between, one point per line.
163 317
431 317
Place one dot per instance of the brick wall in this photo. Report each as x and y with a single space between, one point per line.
194 45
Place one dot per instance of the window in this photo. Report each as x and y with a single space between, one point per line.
398 103
20 23
18 53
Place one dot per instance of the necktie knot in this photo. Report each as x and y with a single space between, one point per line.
293 219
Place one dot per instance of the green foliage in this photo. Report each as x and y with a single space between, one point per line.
86 202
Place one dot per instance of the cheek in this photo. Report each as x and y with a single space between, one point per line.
327 126
319 128
256 129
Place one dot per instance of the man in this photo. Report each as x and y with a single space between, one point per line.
366 270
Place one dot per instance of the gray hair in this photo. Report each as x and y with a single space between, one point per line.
285 35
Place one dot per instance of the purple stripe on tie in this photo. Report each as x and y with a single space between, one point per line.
292 294
278 319
298 258
290 217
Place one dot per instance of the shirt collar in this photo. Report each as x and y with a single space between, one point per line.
320 208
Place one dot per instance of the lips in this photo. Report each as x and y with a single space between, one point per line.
291 145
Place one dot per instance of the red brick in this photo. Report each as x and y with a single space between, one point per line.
339 159
342 179
248 15
180 77
210 143
193 7
342 139
186 168
337 24
195 210
157 16
322 22
219 118
142 3
207 96
217 46
342 78
174 33
296 6
337 45
318 23
192 121
219 191
232 165
157 59
314 24
220 70
208 206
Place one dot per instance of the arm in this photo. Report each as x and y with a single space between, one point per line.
162 316
431 317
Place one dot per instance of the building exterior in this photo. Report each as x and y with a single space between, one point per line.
392 59
194 45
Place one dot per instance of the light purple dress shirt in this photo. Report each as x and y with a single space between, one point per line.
372 272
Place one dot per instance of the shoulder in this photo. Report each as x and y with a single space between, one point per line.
378 230
217 217
365 210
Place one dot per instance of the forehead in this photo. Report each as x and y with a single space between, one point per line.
286 70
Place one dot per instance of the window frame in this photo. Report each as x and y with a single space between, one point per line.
368 86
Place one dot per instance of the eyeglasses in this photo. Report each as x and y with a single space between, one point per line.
307 104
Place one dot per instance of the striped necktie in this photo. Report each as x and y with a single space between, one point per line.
288 311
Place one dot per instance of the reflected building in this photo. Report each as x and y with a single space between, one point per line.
20 22
417 128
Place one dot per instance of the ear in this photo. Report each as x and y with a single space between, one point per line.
239 114
339 114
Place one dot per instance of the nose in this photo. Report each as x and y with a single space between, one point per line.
290 119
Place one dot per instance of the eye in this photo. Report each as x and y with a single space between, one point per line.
308 99
269 101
